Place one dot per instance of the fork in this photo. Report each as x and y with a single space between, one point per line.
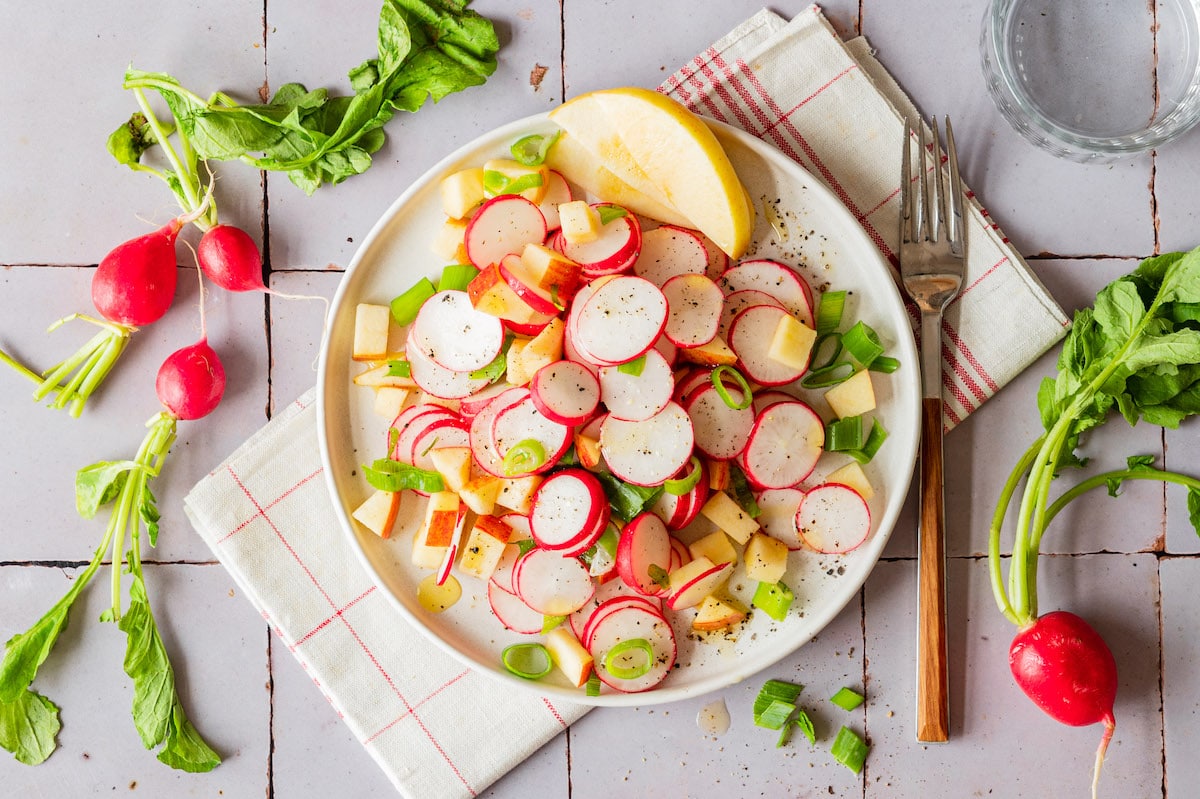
933 250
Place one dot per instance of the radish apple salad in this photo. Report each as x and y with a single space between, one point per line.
607 417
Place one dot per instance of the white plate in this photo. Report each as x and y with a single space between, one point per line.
834 252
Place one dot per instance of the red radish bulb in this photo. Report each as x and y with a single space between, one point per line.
135 283
230 258
191 381
1064 666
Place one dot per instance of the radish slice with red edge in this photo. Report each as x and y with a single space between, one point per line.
721 432
784 445
614 250
613 589
537 299
627 624
443 433
779 280
695 304
647 453
750 336
644 542
718 261
503 225
521 422
705 580
483 448
414 426
552 584
739 301
503 575
833 518
512 612
636 397
566 392
765 399
777 514
668 251
566 509
621 320
439 381
451 333
558 191
651 604
469 406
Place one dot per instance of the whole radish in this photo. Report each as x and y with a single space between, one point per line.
229 257
191 381
134 284
1064 666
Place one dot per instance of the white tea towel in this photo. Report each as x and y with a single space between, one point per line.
431 724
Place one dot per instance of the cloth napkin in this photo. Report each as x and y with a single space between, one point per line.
433 725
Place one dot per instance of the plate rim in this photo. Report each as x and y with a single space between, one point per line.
719 681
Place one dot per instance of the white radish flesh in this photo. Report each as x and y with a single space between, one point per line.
503 225
512 612
567 507
777 514
695 304
450 332
621 320
439 381
784 445
552 584
613 251
644 543
739 301
692 592
668 251
483 446
522 421
557 191
566 392
780 281
721 431
833 518
637 397
648 452
629 623
612 589
750 336
445 433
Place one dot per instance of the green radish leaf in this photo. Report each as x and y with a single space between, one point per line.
148 510
185 749
98 484
28 727
129 142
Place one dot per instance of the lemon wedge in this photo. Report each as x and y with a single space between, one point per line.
662 151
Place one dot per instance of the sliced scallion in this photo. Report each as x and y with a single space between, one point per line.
550 622
828 376
456 277
528 660
844 434
775 715
389 475
871 446
774 599
633 368
525 544
847 698
622 660
399 368
531 150
863 344
688 482
806 726
405 307
609 212
775 691
829 311
849 749
494 183
723 392
525 456
530 180
593 685
884 364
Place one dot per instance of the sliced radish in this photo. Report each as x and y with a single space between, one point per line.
503 225
620 320
522 421
644 542
691 583
503 575
613 589
689 381
469 406
412 422
648 452
450 332
784 445
667 349
519 523
443 572
721 432
718 261
750 337
566 392
630 599
625 624
613 251
739 301
512 612
668 251
552 584
780 281
539 300
636 397
558 191
444 433
695 304
567 509
765 399
833 518
777 514
439 381
680 554
483 446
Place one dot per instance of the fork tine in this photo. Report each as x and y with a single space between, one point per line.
920 199
955 232
937 200
906 200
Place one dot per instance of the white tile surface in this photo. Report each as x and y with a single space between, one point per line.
64 203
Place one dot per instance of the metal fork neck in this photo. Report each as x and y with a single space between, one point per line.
931 353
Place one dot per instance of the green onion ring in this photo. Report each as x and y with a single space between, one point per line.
633 672
747 396
519 659
685 484
525 456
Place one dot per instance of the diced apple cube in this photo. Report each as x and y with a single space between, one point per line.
491 294
462 191
449 243
587 449
716 613
389 401
371 327
484 547
766 558
551 271
514 171
726 514
543 349
718 475
852 475
792 343
714 353
579 222
853 396
514 369
715 546
436 533
569 655
516 493
378 512
453 464
481 493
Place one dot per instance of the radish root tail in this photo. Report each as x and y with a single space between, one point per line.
1110 726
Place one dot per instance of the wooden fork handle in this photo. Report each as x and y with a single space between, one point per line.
933 701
